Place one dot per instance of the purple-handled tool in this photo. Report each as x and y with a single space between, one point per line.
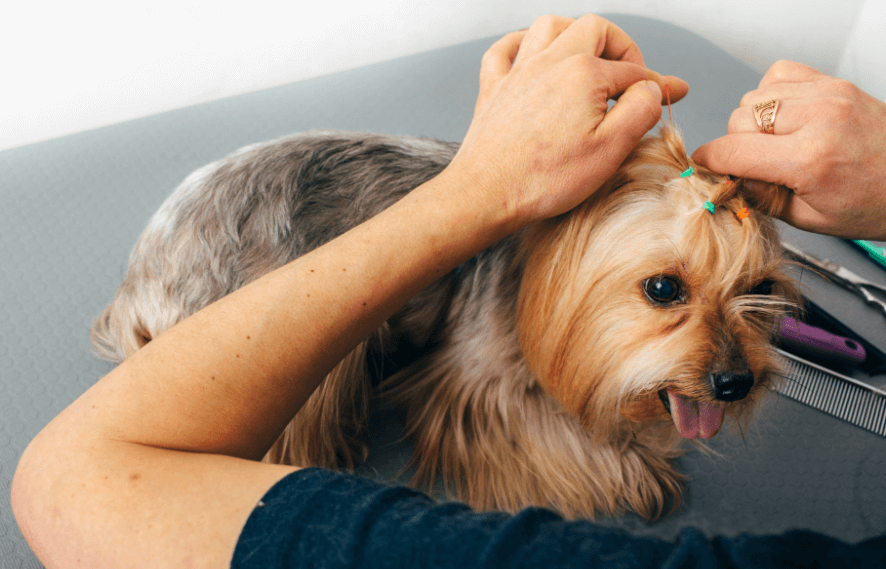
804 339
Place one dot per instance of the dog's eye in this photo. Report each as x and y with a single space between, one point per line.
662 290
764 288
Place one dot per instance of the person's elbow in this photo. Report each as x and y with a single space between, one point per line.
31 497
24 497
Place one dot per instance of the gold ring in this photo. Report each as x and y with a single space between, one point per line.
765 115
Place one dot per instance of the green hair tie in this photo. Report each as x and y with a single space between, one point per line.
709 206
687 173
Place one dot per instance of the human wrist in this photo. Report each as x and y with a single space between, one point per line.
480 194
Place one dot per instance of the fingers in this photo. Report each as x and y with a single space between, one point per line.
803 216
789 72
789 118
728 155
678 89
796 211
499 58
792 115
635 113
798 103
565 37
827 147
568 36
541 34
780 91
612 42
597 37
622 75
751 155
755 162
785 79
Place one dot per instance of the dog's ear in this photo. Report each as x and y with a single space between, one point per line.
770 199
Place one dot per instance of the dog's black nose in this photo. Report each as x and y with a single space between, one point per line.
730 386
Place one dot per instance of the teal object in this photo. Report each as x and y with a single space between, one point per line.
875 253
709 206
687 173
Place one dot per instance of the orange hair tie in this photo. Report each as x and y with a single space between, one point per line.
742 213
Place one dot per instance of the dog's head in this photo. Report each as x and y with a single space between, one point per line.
642 302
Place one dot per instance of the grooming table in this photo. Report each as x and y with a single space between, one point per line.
73 208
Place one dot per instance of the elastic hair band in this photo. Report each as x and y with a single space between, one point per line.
687 173
709 206
742 213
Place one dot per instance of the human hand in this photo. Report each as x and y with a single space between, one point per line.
828 148
541 140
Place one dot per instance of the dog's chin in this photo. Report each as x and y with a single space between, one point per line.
693 419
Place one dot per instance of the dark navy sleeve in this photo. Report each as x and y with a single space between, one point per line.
322 519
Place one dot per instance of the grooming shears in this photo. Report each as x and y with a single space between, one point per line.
839 275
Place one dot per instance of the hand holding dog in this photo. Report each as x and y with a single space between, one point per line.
541 119
829 148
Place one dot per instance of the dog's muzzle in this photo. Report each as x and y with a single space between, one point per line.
730 386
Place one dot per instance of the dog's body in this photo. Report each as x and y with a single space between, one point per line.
534 374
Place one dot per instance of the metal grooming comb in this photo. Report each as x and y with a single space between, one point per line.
848 399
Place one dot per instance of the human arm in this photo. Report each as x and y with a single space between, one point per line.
379 525
829 148
155 464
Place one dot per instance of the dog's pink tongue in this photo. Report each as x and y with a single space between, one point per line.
695 418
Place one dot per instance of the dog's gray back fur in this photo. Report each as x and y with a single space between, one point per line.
238 218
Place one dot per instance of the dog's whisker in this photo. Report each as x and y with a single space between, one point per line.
788 378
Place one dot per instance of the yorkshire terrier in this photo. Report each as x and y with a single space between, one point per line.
563 367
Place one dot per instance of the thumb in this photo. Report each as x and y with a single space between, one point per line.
751 155
632 116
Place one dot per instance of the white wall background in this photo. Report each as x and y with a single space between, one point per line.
72 66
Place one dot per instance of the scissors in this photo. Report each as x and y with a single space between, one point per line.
839 275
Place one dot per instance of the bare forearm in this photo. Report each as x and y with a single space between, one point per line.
230 377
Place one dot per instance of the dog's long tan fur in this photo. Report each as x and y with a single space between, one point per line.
530 375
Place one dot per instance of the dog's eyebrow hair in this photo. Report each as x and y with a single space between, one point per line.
676 250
